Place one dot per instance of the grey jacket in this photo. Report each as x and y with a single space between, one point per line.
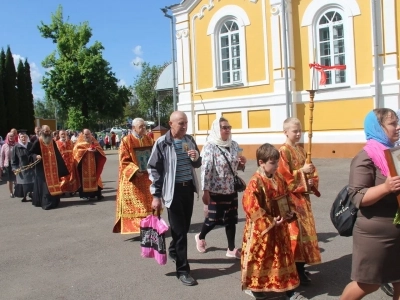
162 167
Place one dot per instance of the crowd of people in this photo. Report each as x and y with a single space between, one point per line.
48 165
279 238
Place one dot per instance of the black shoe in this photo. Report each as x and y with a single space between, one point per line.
172 257
186 279
100 197
304 279
24 200
257 295
12 196
387 289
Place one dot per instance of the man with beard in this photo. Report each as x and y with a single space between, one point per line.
49 170
90 159
133 195
70 183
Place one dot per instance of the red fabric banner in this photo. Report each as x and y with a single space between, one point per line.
321 69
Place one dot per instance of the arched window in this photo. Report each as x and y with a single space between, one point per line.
229 53
331 45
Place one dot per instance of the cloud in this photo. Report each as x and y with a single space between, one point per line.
36 75
138 50
17 58
137 63
122 82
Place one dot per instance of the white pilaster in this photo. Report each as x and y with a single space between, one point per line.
390 40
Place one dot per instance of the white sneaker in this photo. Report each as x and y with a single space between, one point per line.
200 244
235 253
296 296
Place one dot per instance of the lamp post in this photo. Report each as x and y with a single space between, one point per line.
165 10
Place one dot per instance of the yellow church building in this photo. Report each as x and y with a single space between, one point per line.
248 60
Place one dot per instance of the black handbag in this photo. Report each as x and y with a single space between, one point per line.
344 213
238 183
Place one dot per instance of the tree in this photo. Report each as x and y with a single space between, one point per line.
10 92
30 115
22 97
3 112
78 75
144 87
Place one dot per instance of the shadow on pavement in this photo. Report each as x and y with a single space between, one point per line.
328 278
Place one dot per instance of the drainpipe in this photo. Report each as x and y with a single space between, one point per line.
285 53
376 48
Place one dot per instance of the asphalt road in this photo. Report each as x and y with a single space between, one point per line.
71 252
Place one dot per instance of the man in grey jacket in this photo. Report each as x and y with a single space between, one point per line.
171 169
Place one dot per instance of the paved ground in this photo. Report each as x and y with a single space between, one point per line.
71 252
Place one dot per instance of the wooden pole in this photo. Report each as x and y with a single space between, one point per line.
310 133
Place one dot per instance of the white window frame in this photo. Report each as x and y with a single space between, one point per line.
313 13
330 26
239 16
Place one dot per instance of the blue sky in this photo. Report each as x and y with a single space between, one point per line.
130 31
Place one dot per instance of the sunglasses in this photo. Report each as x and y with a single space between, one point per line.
226 127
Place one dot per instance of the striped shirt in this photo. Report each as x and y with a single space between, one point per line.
183 165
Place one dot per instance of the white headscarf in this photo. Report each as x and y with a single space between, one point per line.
215 135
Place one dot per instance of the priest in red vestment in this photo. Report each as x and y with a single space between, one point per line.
49 170
70 183
90 159
133 195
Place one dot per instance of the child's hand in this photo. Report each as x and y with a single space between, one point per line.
308 168
279 220
310 182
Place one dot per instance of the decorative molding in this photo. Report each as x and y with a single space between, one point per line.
228 10
275 9
350 7
182 33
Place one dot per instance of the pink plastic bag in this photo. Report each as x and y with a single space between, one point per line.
152 238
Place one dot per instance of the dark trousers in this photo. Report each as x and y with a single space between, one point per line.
179 216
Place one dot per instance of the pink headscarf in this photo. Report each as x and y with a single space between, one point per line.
8 142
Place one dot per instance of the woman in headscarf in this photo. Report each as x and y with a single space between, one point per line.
5 161
376 236
20 158
217 184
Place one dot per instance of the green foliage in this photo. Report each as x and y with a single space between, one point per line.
22 99
10 92
76 120
30 113
78 75
147 105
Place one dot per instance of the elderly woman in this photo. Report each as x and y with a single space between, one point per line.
376 240
20 158
5 161
217 183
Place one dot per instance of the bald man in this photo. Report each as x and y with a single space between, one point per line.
47 185
171 168
90 159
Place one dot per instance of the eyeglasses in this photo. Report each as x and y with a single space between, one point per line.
226 127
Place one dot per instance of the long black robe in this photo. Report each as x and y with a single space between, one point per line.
25 179
41 195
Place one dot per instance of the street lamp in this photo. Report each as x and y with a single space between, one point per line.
165 11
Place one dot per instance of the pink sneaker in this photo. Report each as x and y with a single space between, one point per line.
200 244
235 253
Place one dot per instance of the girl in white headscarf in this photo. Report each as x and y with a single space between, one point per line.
218 184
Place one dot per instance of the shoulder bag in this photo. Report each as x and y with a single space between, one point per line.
238 183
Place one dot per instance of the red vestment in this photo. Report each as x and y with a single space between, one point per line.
133 194
71 182
92 163
267 260
303 234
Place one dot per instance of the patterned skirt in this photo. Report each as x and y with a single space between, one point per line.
223 209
